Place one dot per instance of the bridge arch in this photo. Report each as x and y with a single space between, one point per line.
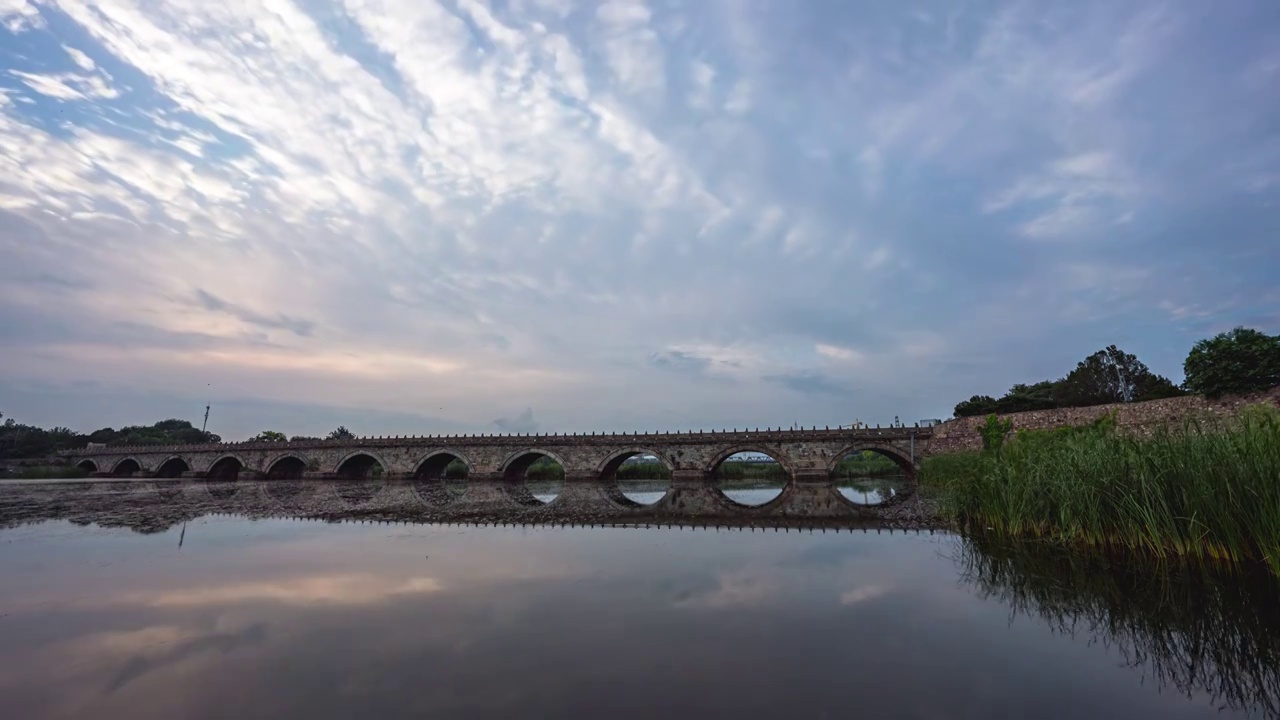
126 467
88 465
750 491
635 493
520 460
172 467
226 467
610 464
777 454
901 459
872 487
515 477
430 480
433 464
286 466
358 463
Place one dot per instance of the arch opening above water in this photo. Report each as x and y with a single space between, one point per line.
636 477
288 467
88 466
363 473
533 477
871 475
172 468
225 468
441 477
750 477
361 466
127 467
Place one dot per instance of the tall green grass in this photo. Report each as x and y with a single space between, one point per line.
643 470
865 464
739 470
1208 489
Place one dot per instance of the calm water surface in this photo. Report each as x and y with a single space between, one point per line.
232 618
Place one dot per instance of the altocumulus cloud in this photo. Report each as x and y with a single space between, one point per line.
623 214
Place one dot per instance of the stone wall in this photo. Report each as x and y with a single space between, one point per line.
961 434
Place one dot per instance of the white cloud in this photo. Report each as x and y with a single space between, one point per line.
67 86
702 76
740 98
20 15
84 61
495 206
835 352
1078 189
635 54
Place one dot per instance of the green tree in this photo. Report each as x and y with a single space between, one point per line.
269 436
341 433
1022 397
1233 363
1112 376
976 405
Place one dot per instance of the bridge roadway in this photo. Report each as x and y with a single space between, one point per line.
496 464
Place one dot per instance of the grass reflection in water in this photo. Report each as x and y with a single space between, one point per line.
1186 626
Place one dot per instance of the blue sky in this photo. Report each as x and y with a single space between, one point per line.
471 215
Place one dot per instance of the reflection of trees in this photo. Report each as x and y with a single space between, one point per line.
1197 630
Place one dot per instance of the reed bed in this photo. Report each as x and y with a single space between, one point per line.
1210 489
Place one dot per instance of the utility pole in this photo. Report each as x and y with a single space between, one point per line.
205 424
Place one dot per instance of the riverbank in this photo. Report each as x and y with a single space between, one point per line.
1206 490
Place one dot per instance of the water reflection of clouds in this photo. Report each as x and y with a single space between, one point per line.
220 642
734 589
862 594
351 589
74 677
344 620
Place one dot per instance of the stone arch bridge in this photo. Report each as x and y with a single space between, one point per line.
590 461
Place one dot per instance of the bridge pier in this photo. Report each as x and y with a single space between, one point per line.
589 496
492 491
812 477
814 500
692 493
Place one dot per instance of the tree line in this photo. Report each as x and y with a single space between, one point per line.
1236 362
28 441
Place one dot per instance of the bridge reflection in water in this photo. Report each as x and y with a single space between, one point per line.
161 503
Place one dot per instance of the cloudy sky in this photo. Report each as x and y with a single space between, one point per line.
474 215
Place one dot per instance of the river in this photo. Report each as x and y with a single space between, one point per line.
229 617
